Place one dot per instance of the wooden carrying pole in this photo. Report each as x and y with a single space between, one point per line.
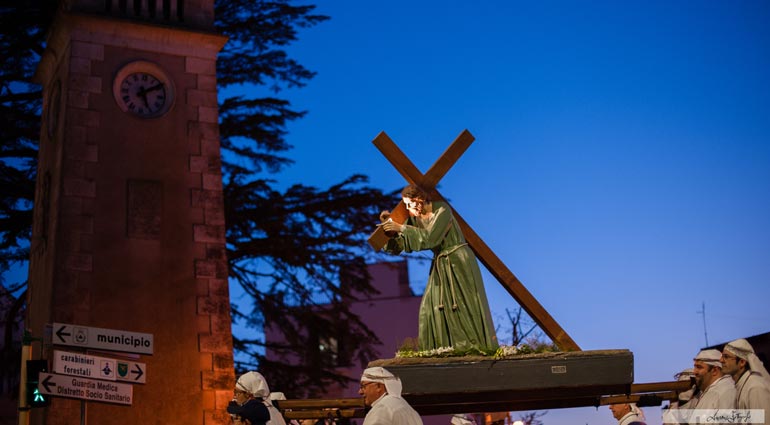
648 394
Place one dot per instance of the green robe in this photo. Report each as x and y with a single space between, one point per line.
454 311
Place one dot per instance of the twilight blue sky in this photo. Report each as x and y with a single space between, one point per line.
621 167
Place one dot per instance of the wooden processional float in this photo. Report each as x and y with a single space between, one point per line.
453 385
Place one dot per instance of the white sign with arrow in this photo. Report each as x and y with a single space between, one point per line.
129 371
88 366
86 389
84 366
105 339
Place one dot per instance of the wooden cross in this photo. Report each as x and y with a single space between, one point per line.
495 266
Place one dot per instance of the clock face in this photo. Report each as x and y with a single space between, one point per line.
143 94
143 90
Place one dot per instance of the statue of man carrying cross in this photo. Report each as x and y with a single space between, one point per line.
460 232
454 311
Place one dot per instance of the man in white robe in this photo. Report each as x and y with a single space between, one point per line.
382 392
627 414
752 382
717 389
689 396
253 386
462 419
677 411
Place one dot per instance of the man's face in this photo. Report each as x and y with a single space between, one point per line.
240 396
730 364
415 206
619 410
704 374
371 391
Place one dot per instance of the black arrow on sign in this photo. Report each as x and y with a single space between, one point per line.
138 372
46 382
61 334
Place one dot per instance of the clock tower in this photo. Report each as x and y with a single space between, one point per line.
129 230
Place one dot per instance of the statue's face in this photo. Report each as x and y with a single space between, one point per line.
415 206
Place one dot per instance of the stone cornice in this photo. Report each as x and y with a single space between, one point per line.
123 33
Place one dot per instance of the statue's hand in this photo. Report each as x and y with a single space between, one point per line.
392 226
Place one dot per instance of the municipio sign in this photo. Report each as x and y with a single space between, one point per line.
85 389
104 339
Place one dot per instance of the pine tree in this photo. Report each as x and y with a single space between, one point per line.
287 249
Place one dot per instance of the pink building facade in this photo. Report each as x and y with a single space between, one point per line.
391 314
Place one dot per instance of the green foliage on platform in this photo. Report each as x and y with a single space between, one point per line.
505 351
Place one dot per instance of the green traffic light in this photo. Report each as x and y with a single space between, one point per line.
35 398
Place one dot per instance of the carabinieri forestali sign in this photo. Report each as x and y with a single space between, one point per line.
84 366
104 339
88 366
85 389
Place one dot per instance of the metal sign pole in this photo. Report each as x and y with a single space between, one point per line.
26 354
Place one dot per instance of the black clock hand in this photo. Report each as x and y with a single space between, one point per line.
142 92
158 86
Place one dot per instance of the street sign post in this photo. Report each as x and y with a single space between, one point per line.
88 366
104 339
86 389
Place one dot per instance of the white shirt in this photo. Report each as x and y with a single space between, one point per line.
629 418
276 418
390 410
719 395
751 393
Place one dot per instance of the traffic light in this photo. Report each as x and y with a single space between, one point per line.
34 397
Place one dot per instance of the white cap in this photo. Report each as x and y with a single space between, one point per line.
253 383
383 376
685 375
709 357
741 349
